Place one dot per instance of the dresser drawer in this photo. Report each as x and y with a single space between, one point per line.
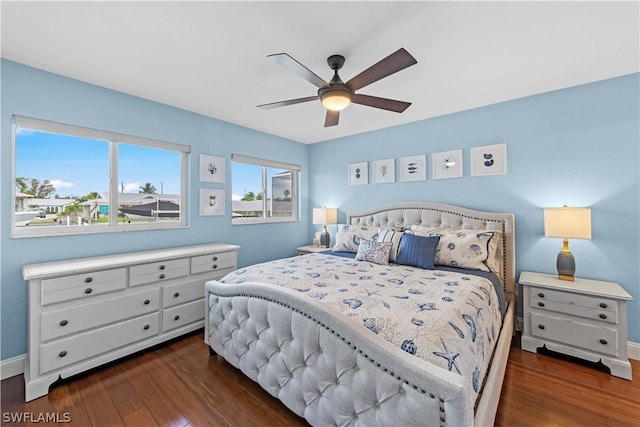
183 315
590 307
213 262
569 331
82 285
179 294
67 351
57 323
158 271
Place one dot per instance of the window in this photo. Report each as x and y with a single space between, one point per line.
70 179
263 190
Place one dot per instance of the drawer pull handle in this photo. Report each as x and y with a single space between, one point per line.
541 304
176 295
540 295
63 323
145 327
541 326
603 305
162 267
162 276
88 291
603 316
146 302
215 258
215 265
176 318
603 341
88 280
63 353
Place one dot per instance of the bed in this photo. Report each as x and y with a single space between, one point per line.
314 332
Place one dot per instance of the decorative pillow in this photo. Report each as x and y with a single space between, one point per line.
464 249
375 252
417 251
423 230
393 236
348 237
494 258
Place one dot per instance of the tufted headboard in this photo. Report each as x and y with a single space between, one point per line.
448 216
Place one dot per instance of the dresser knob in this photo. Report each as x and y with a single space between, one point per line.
176 318
603 305
162 276
541 326
540 295
541 304
215 258
145 327
63 353
603 341
215 265
176 295
162 267
146 302
63 323
603 316
88 291
88 280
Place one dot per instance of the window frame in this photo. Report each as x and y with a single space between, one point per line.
295 190
113 139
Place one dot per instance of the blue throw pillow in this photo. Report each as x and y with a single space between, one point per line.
417 251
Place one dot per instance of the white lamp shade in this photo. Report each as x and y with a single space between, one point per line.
567 223
322 216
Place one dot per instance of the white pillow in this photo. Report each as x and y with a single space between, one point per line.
348 237
464 248
393 236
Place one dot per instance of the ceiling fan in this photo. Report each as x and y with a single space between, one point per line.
337 95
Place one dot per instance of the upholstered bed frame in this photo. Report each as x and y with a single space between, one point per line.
326 370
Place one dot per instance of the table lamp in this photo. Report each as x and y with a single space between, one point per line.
324 216
567 223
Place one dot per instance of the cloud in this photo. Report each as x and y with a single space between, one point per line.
236 197
131 187
58 184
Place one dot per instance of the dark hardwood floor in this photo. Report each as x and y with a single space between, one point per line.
179 384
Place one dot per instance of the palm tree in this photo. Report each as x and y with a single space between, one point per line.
148 188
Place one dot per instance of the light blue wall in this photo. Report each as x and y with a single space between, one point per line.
578 146
34 93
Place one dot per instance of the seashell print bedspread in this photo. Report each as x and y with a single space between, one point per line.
447 318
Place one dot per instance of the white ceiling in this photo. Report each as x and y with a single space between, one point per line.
211 57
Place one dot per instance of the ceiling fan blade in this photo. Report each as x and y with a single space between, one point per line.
332 118
292 65
383 103
399 60
288 102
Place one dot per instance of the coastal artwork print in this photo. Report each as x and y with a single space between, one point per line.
413 168
489 160
212 169
447 164
358 173
384 171
211 202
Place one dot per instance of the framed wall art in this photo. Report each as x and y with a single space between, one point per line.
413 168
212 169
358 173
384 171
447 164
211 202
489 160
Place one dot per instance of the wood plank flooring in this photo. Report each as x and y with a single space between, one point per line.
179 384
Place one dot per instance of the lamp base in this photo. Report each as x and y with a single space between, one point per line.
325 238
566 265
567 278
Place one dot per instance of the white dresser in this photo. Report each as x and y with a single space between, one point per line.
90 311
585 319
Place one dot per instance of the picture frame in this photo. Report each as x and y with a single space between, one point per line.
489 160
413 168
384 171
212 169
212 202
447 164
358 173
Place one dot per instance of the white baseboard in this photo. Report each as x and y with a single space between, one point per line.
12 367
633 350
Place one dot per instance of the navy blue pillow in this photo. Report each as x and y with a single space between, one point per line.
417 251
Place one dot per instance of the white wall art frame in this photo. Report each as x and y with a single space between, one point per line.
212 169
358 173
447 164
211 202
384 171
489 160
413 168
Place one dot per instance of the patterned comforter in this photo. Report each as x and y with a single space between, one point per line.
447 318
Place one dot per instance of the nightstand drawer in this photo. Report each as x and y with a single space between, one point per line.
590 307
568 331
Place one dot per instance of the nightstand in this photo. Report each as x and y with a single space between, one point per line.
310 249
585 319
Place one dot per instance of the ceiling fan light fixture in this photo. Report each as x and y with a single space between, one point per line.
336 100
